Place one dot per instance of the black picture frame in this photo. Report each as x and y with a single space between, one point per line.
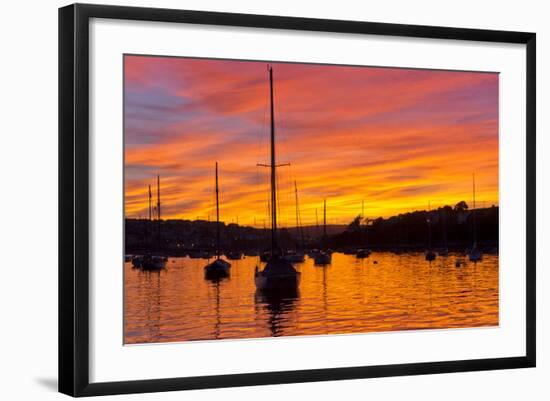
74 191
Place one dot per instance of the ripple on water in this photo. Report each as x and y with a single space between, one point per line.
400 292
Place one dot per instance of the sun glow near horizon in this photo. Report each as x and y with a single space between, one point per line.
395 139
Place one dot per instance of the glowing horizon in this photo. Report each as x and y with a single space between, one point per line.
397 139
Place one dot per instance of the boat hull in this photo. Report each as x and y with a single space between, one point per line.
322 259
216 269
362 253
137 260
153 262
475 256
234 255
295 257
430 256
277 282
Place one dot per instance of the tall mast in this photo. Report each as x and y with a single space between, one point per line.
316 222
361 231
158 197
324 221
474 206
429 227
217 216
148 232
158 212
150 196
273 166
273 175
296 201
298 225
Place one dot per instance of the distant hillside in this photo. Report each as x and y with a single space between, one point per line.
315 232
447 227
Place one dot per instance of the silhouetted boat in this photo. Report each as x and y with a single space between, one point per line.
136 260
474 254
430 255
234 255
324 257
312 252
362 253
278 273
265 256
151 261
297 255
219 267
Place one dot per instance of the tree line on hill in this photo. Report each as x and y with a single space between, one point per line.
448 226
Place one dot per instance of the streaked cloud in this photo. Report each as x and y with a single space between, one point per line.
395 138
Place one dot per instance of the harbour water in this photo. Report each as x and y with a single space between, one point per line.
384 292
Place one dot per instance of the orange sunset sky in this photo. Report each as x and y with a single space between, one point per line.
396 139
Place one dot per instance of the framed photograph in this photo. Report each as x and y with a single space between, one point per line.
250 199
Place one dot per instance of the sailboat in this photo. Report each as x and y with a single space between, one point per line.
278 274
219 267
150 261
323 257
430 255
363 252
474 254
297 255
312 252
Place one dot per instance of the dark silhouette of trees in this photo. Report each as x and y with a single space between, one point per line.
450 227
355 225
461 206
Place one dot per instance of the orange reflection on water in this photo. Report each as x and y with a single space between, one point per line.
398 292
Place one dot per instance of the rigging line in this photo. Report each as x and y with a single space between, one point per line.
278 198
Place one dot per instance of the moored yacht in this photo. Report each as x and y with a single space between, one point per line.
219 267
278 274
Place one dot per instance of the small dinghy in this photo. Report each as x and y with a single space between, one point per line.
362 253
322 258
430 255
219 268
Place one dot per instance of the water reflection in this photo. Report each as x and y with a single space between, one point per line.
384 292
279 304
216 280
